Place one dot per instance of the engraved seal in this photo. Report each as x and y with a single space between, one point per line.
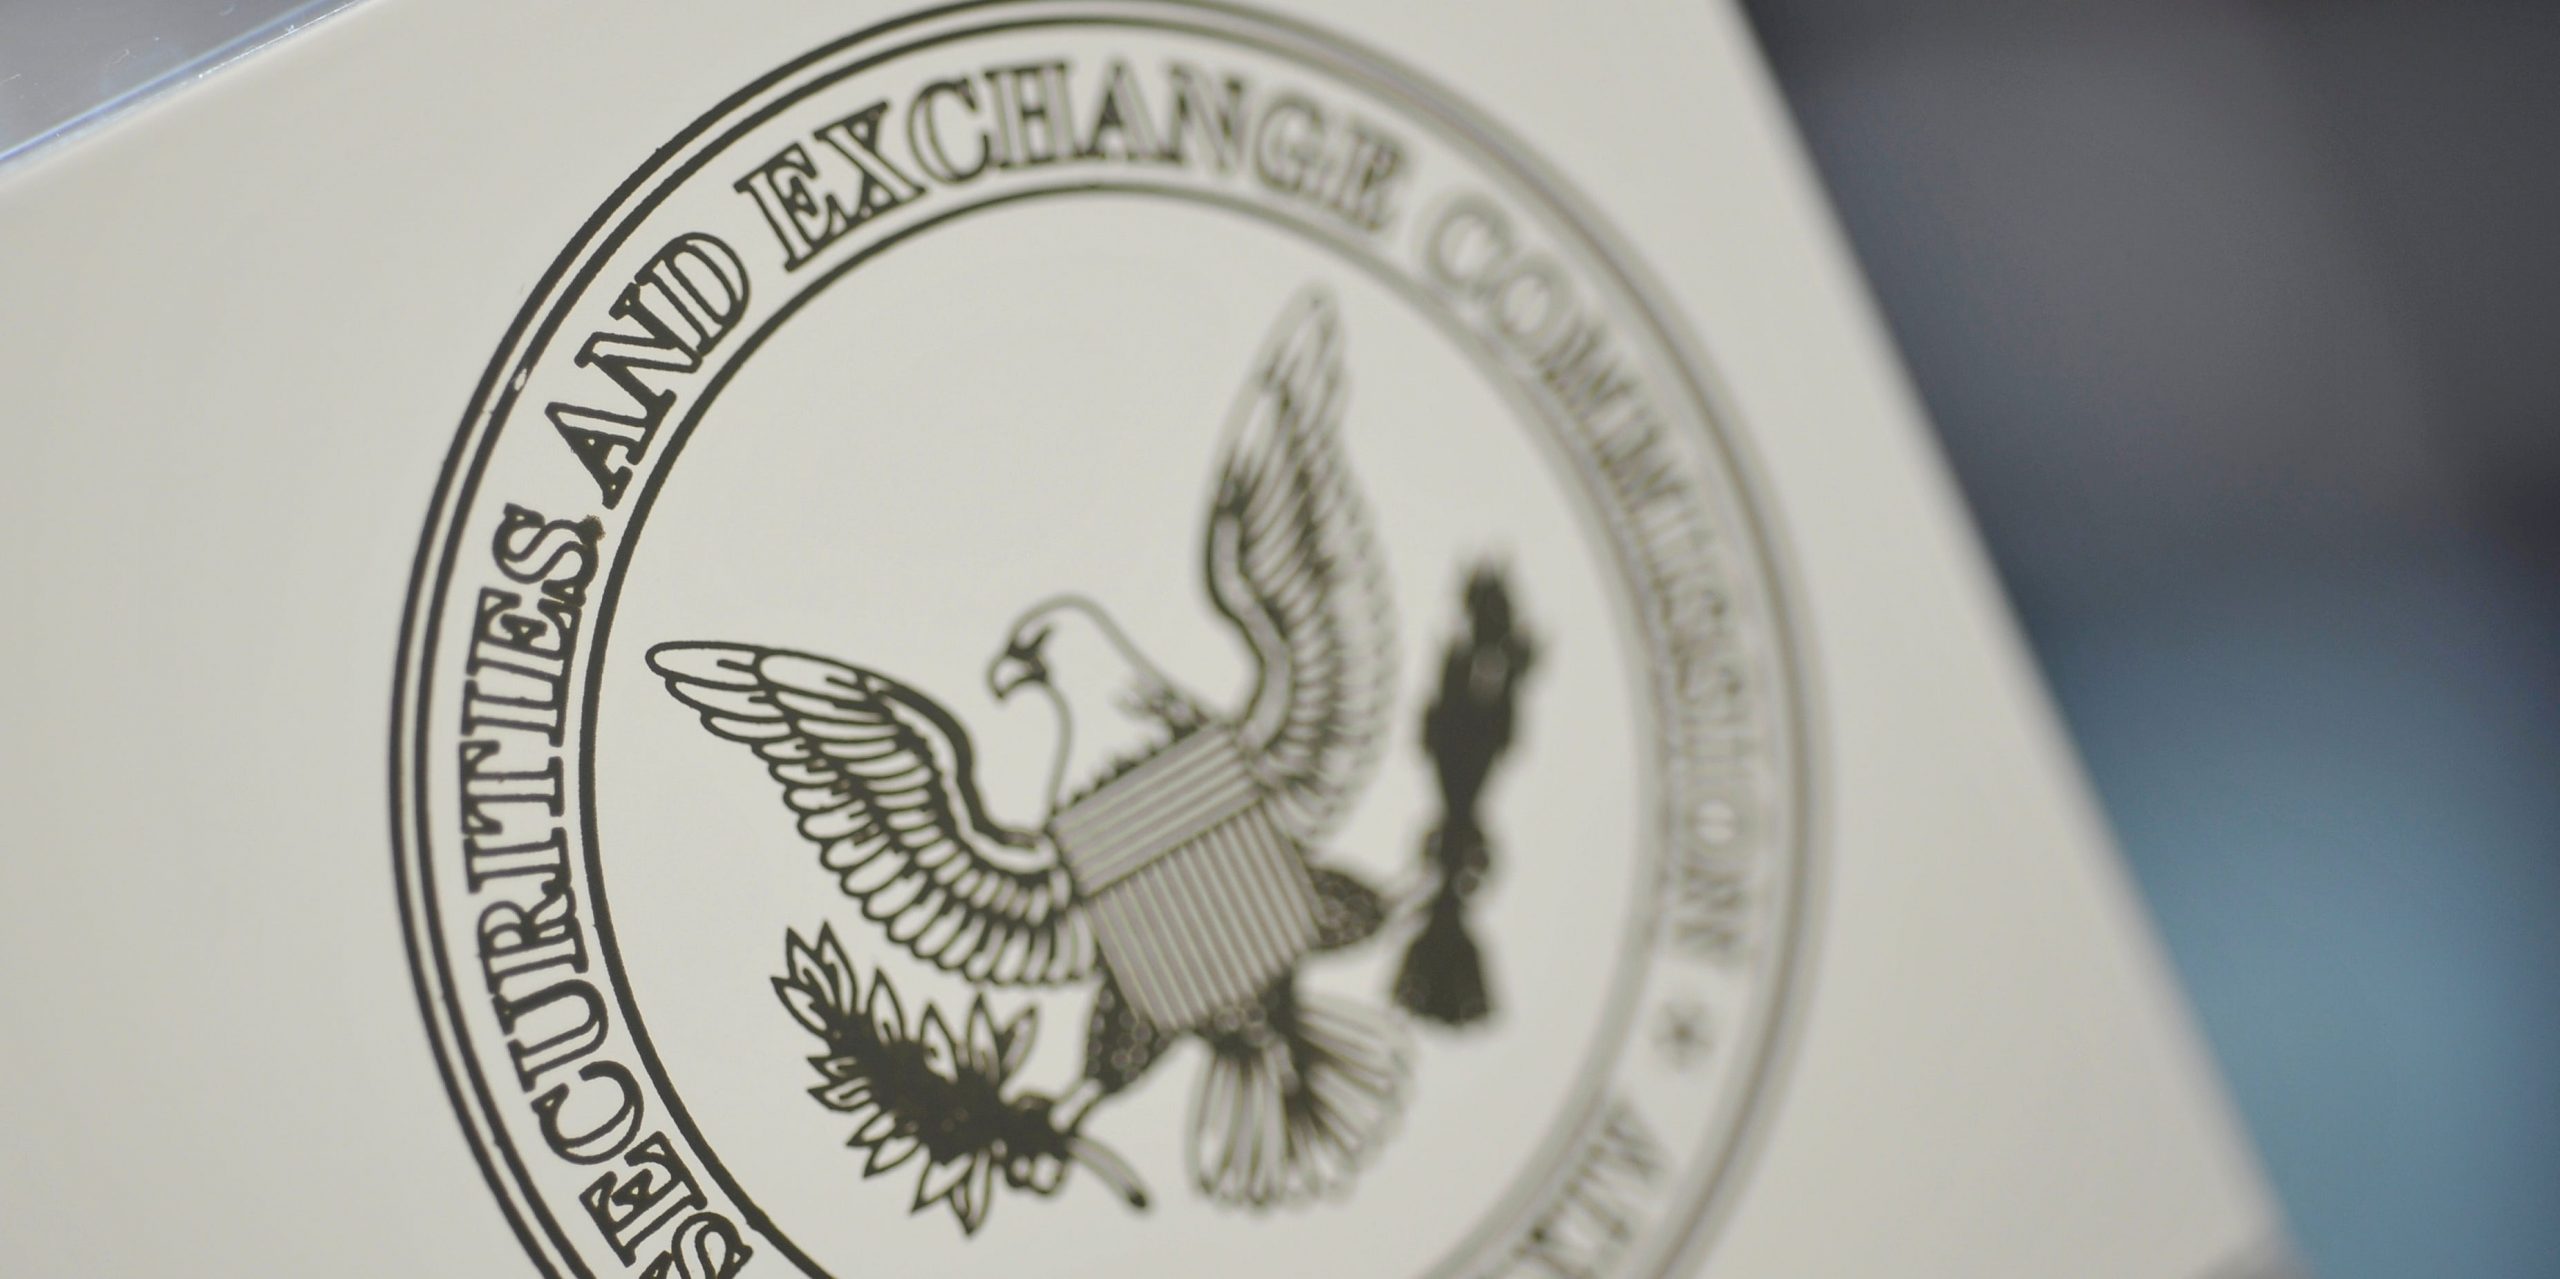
1094 635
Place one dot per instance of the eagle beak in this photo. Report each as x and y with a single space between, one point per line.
1011 670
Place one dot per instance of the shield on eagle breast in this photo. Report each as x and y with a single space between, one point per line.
1199 896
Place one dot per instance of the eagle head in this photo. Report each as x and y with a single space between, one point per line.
1109 697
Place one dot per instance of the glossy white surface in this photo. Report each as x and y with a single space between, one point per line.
234 374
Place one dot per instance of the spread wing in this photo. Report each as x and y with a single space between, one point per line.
883 783
1292 561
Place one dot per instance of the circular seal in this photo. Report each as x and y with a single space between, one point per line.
1099 635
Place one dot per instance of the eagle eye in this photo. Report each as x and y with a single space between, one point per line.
1026 647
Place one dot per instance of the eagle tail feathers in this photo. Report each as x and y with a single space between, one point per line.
1290 1109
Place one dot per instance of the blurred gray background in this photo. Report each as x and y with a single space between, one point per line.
64 63
2238 321
2241 325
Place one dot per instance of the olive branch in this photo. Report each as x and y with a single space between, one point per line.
926 1090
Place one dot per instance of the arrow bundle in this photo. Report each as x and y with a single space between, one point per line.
1466 730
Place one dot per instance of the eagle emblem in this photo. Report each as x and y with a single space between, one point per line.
1180 869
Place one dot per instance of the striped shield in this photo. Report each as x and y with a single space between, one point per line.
1198 896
